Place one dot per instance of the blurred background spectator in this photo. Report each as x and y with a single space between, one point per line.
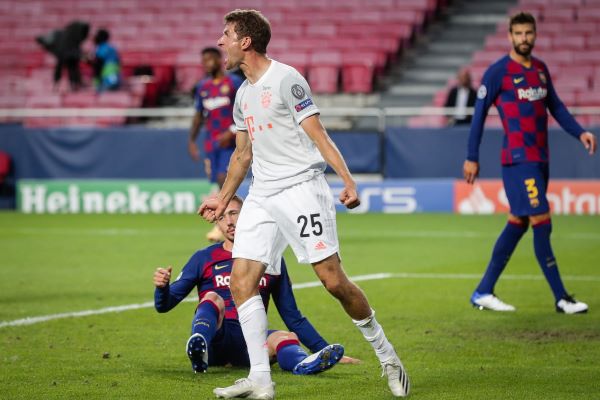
65 45
461 97
106 63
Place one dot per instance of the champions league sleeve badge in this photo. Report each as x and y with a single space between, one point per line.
482 92
298 91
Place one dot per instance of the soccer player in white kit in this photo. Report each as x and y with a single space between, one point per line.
280 134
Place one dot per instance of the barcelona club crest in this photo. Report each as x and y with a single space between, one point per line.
542 77
225 89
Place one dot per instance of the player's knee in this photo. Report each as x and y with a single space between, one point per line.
278 337
523 221
339 288
240 288
215 298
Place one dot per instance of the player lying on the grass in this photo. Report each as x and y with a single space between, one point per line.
217 338
521 88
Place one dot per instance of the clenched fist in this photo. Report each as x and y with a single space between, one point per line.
162 277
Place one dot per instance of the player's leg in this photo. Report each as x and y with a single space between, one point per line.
305 214
517 186
534 183
285 346
356 305
221 164
542 229
208 319
245 278
212 161
255 236
484 296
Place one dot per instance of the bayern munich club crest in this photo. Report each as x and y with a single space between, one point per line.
298 91
265 98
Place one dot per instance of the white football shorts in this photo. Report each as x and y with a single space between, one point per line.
302 216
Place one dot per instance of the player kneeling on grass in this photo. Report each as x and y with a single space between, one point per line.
217 337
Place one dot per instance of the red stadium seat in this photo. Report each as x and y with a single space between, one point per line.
114 100
323 72
571 42
559 15
589 57
298 60
589 15
589 98
79 100
358 72
44 101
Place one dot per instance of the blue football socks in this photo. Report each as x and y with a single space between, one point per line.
206 320
503 249
545 257
289 354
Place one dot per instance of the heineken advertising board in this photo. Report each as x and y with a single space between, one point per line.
112 196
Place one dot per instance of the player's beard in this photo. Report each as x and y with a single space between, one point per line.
525 53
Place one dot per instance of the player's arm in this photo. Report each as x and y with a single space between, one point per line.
486 95
296 95
562 115
239 163
284 300
166 295
197 122
316 131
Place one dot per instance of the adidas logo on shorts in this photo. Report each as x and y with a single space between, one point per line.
320 246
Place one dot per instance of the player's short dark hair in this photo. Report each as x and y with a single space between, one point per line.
521 18
251 23
238 199
102 36
211 50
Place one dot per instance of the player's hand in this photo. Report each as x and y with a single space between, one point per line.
194 151
207 167
349 360
212 208
589 142
226 139
349 196
470 171
162 277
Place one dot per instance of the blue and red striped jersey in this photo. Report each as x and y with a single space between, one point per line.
214 98
522 97
209 270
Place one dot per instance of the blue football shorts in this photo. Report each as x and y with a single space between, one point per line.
525 185
228 346
219 161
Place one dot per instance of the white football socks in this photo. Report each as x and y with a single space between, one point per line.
374 334
253 320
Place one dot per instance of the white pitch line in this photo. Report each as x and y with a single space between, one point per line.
385 234
304 285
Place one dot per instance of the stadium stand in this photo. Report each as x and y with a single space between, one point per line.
567 42
340 46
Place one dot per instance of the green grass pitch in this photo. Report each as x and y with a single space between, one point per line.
57 264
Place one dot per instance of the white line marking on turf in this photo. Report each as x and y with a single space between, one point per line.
345 234
304 285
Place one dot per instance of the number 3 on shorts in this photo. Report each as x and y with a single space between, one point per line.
532 190
317 227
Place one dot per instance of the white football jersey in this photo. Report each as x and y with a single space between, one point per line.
270 111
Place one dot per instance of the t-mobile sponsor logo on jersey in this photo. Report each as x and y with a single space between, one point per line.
532 94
